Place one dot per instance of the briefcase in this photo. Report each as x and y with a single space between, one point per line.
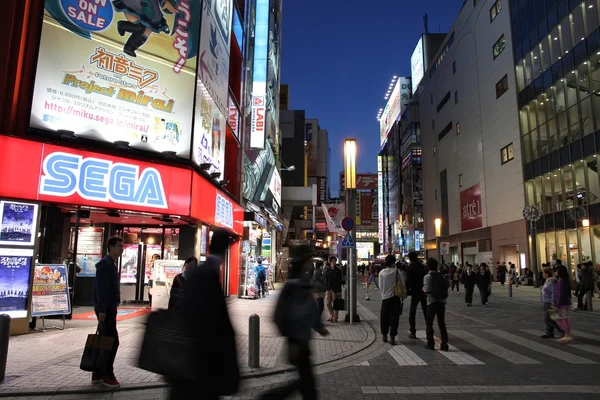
339 304
97 352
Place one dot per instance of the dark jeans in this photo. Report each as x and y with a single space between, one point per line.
484 293
390 315
260 285
320 305
299 358
549 322
415 300
455 283
109 328
469 293
437 309
580 296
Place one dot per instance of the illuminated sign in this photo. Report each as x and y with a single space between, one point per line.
380 200
399 100
234 118
275 186
96 179
417 65
259 84
224 212
257 133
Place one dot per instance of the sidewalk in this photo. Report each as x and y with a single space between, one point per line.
48 363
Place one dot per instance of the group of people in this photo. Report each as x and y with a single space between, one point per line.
328 280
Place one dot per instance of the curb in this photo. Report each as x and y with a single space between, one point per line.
371 337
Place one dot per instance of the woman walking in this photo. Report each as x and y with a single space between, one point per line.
562 302
390 303
548 304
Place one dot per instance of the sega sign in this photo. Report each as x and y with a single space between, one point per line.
257 132
224 212
97 179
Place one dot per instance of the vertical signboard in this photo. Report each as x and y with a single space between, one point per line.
259 84
275 186
15 270
471 216
417 65
380 199
322 189
234 118
366 208
395 106
212 84
119 71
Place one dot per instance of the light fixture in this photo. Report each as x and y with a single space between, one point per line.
438 227
585 223
288 169
113 214
350 163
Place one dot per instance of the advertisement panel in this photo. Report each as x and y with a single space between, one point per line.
212 84
259 84
311 136
50 293
380 200
18 223
322 189
366 208
471 215
395 106
163 274
128 74
234 118
417 65
365 250
15 269
275 186
89 249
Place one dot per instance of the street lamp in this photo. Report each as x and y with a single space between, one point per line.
350 173
438 233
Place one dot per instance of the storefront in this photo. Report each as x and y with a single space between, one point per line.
83 197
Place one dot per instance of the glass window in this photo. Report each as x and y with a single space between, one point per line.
566 43
536 62
583 79
551 246
557 191
574 124
571 89
527 70
457 128
524 122
545 53
593 181
541 248
559 97
531 108
495 10
552 135
534 145
507 153
591 16
502 86
587 118
549 103
547 182
567 179
596 238
577 25
574 258
563 129
460 180
529 198
543 140
561 248
596 108
519 75
499 46
526 142
554 39
580 185
538 191
540 105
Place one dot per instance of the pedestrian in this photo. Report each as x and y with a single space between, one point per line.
261 277
484 282
371 278
435 286
334 281
415 272
501 273
455 280
106 299
389 278
296 315
512 274
562 302
207 321
548 304
319 282
177 292
469 280
586 284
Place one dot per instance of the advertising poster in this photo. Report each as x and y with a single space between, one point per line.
15 267
50 293
163 273
366 208
88 262
266 250
129 263
152 255
471 213
128 74
212 84
89 249
365 250
18 223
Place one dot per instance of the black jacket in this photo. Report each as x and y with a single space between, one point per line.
107 290
469 280
415 272
335 279
177 293
484 279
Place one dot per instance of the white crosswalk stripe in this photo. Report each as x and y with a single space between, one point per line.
493 348
540 348
455 355
363 364
404 356
584 347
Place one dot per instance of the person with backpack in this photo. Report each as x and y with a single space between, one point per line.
391 283
484 283
261 277
296 315
435 286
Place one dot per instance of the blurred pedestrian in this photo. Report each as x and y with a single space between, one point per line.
319 283
296 315
389 278
455 279
562 302
435 286
415 272
548 303
371 278
177 293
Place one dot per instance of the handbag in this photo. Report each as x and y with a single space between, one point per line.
339 304
97 352
400 289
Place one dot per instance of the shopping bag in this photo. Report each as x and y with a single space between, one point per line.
96 352
400 289
339 304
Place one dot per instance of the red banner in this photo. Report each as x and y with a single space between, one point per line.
471 213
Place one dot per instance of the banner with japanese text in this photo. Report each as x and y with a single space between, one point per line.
50 290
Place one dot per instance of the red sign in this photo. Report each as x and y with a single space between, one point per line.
366 208
66 175
471 213
322 188
363 181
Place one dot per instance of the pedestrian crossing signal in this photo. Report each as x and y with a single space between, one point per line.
348 243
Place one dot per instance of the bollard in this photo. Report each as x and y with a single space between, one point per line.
510 288
254 341
588 300
4 335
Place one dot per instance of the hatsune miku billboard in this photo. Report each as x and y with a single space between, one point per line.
119 70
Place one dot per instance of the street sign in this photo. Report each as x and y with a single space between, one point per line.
347 224
444 248
348 243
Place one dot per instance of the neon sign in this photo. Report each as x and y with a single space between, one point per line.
224 212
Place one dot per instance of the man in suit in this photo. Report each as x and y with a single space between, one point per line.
469 279
415 272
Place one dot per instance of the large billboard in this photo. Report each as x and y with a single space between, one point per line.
398 101
212 85
417 65
119 71
363 181
259 84
471 212
380 227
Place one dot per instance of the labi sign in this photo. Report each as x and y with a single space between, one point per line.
471 216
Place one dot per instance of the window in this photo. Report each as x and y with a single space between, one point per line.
495 10
507 153
499 46
443 102
502 86
460 181
453 67
456 97
445 131
457 128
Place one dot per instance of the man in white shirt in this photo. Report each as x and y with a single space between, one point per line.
390 303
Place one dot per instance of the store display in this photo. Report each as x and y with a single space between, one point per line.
50 293
17 223
163 273
15 273
89 249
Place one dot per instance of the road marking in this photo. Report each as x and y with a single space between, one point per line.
497 350
480 389
541 348
574 333
404 356
455 355
363 364
584 347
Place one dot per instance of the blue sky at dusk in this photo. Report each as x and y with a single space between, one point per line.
338 56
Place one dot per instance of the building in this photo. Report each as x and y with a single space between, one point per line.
472 170
557 66
114 145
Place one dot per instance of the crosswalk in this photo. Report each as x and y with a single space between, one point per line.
519 347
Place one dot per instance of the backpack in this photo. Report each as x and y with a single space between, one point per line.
439 286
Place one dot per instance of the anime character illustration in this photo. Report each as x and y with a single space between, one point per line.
172 134
144 17
216 140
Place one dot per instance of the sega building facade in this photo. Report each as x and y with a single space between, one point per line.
137 136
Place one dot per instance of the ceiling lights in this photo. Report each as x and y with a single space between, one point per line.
388 93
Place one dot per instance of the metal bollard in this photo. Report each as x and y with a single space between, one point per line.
510 288
588 300
4 336
254 341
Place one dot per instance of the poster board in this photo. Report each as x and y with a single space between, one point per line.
18 223
15 274
163 273
50 292
89 249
